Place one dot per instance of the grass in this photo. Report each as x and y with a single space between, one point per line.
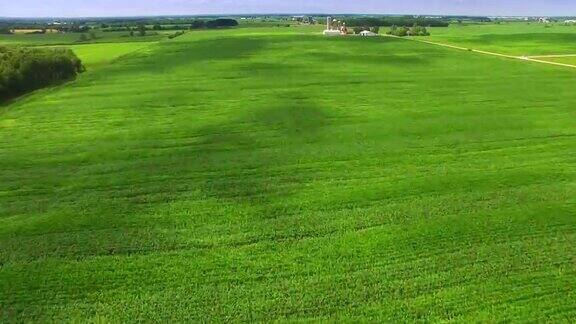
565 60
513 38
98 55
258 176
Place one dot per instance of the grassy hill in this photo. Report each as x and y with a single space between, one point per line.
257 176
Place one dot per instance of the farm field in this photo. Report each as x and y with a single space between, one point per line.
273 174
566 60
512 38
97 55
73 38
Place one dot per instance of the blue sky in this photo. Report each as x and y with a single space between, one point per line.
75 8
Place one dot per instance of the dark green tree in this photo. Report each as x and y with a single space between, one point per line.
141 30
197 24
221 23
26 69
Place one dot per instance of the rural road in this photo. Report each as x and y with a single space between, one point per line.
536 59
553 56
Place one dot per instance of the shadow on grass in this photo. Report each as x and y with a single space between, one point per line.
170 56
240 163
100 205
382 59
104 202
243 151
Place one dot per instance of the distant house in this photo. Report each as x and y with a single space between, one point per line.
543 20
570 22
367 33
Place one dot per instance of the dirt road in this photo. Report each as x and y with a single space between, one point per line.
536 59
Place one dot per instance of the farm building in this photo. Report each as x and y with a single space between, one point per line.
335 27
367 33
543 20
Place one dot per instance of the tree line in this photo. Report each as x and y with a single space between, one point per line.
213 23
395 21
25 69
405 31
139 27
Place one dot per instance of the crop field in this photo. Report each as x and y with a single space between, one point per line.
513 38
561 59
102 54
73 38
273 174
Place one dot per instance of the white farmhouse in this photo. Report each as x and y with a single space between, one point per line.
367 33
543 20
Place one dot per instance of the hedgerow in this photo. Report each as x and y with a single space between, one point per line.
27 69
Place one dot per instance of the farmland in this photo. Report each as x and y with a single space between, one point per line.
512 38
562 59
262 174
96 55
52 39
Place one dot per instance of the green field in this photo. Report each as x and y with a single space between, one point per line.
274 174
512 38
97 55
73 38
566 60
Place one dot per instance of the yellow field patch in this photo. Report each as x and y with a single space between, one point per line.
30 31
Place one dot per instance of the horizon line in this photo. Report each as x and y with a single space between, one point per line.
281 14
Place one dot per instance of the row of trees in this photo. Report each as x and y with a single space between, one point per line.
26 69
213 24
396 21
405 31
134 27
141 28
